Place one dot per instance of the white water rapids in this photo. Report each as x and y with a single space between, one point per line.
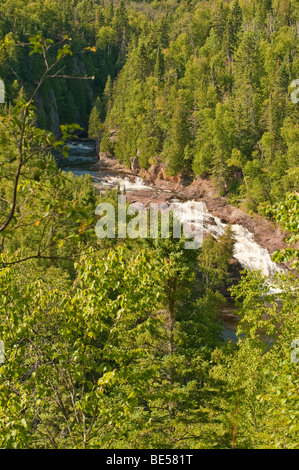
82 160
247 251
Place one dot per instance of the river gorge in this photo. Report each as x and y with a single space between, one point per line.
252 249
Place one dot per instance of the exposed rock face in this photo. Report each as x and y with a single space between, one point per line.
265 232
134 164
113 135
152 172
157 172
109 162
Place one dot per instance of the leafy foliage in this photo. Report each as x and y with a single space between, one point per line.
118 344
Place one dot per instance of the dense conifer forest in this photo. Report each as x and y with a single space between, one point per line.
117 343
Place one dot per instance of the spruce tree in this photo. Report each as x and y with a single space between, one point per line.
233 27
174 152
106 98
95 124
159 65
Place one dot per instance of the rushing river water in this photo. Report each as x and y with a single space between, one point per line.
83 160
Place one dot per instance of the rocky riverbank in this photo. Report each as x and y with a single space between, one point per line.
265 232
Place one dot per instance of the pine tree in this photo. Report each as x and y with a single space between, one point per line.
110 12
220 20
142 61
159 65
95 124
175 148
234 24
162 32
107 98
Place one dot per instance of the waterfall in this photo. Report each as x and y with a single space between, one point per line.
82 160
247 251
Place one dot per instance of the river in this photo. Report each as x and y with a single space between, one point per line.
83 160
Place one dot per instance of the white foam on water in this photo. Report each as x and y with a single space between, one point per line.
251 255
247 251
124 183
81 146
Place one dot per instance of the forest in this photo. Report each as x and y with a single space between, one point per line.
117 344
